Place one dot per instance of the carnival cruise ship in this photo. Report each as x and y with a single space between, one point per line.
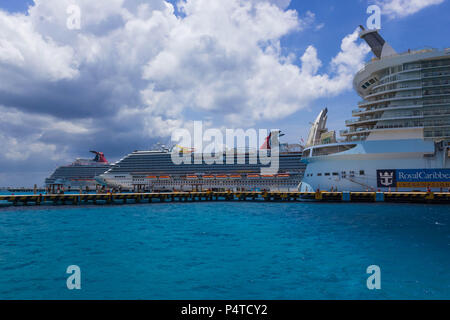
400 137
155 171
79 174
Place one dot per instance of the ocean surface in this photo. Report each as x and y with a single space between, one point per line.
226 250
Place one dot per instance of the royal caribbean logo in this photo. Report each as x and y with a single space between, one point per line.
412 178
386 178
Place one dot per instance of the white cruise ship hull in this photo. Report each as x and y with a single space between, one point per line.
402 165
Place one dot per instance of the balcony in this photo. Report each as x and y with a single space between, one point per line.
354 131
351 121
361 131
362 121
398 89
396 81
360 111
436 74
368 103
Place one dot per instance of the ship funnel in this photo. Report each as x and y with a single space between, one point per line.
317 128
379 46
99 157
272 140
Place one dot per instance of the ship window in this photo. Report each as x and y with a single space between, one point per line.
319 174
352 173
327 174
335 174
361 173
344 174
323 151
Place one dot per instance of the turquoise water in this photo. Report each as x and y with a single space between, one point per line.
226 250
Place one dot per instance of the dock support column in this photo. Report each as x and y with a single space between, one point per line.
318 195
346 196
379 197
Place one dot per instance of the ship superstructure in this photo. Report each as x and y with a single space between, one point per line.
155 171
79 174
400 136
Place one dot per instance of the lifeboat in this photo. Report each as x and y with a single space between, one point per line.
268 176
235 176
223 176
283 176
192 177
164 177
151 177
208 177
253 176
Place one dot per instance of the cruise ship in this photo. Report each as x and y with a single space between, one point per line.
155 171
78 175
400 136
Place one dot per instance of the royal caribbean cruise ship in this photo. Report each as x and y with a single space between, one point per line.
155 171
400 137
79 174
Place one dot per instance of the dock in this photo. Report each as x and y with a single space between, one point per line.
130 198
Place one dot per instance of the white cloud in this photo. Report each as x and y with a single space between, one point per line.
403 8
23 131
22 48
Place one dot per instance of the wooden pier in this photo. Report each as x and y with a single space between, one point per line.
124 198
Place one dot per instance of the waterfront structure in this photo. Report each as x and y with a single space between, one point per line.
155 171
184 196
400 136
79 174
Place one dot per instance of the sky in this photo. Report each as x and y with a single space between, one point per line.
135 70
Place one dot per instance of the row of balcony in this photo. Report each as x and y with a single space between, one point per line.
395 79
368 103
384 126
359 111
379 118
426 94
364 130
401 88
